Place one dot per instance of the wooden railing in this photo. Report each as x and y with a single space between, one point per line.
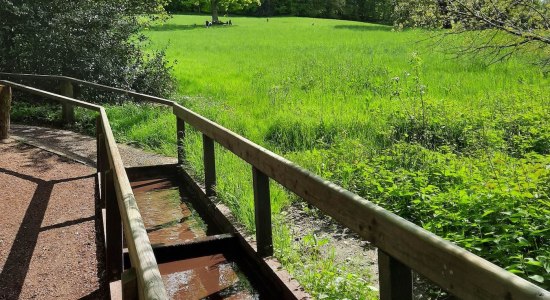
403 246
122 214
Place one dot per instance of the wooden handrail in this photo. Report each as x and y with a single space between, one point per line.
51 96
150 285
456 270
98 86
149 280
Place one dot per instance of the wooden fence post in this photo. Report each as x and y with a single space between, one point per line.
114 230
395 278
68 109
209 165
180 135
102 163
5 107
262 213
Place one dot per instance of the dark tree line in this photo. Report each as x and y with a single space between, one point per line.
359 10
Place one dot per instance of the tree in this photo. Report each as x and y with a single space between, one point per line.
215 6
503 27
496 29
94 40
229 5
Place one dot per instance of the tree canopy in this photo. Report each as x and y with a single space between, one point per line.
94 40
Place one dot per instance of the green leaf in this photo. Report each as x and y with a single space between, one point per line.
537 278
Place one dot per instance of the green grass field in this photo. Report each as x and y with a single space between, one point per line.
456 146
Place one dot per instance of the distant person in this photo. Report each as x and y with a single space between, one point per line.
206 24
230 22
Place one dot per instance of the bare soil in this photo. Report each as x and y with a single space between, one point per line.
50 236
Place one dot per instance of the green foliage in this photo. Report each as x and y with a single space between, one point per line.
92 40
495 205
315 266
458 147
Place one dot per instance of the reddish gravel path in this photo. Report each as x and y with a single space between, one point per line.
49 245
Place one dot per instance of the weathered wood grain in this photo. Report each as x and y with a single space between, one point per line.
5 107
150 285
262 213
395 278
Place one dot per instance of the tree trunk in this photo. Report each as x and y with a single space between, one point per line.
214 5
5 106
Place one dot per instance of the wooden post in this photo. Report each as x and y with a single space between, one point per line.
102 163
209 165
68 109
5 107
129 284
180 135
395 278
262 215
114 231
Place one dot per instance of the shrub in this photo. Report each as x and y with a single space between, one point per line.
98 41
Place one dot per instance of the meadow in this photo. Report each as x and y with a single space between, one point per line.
457 146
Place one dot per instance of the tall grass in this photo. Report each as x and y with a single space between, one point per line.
457 146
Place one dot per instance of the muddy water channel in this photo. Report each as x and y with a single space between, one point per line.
171 220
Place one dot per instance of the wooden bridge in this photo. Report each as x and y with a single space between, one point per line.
145 259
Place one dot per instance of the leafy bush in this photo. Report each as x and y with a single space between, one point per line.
99 41
496 206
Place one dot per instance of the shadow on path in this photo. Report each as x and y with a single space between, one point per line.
19 258
366 27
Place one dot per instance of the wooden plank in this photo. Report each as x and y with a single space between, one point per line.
395 278
129 285
150 285
51 96
180 136
262 215
102 164
67 111
451 267
114 231
5 107
102 87
203 246
260 271
209 165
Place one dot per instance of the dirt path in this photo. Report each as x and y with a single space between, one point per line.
81 147
50 245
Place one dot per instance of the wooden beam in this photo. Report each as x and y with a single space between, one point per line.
262 213
51 96
395 278
5 107
180 136
129 285
114 230
150 284
209 165
102 87
68 108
